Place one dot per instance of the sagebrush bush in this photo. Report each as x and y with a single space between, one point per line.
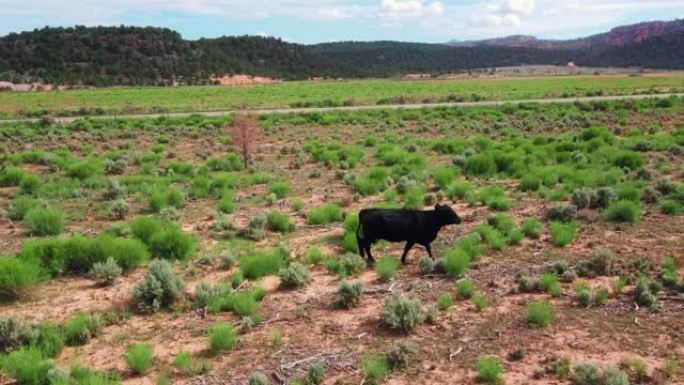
489 370
426 265
16 276
106 272
279 222
583 198
562 234
604 197
222 337
43 221
28 366
585 373
387 267
375 369
540 313
119 209
401 353
80 328
159 289
139 358
295 275
258 378
325 214
402 313
227 259
623 211
349 294
258 264
172 244
563 214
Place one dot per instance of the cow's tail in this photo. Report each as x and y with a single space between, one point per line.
359 235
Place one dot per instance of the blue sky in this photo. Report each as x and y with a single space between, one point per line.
309 21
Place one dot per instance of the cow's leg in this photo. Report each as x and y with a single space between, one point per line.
407 247
429 250
371 260
361 244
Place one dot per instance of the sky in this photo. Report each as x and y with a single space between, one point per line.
316 21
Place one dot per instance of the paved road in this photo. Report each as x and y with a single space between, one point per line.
70 119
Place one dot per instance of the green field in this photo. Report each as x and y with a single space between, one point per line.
322 94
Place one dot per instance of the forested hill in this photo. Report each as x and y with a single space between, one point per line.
104 56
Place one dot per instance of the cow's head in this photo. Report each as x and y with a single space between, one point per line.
447 215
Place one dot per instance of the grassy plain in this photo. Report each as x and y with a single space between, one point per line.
256 277
323 94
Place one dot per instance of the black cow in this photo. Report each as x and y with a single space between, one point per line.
398 225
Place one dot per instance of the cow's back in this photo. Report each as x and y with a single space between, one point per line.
390 224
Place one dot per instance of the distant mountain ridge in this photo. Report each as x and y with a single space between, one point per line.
616 37
106 56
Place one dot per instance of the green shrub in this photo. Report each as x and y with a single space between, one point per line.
325 214
413 198
48 338
465 289
144 228
315 256
480 165
458 189
457 262
258 264
44 221
445 301
279 222
227 203
387 267
351 224
80 328
84 170
30 183
160 288
562 234
11 176
628 159
139 358
670 207
540 313
222 337
375 369
172 244
489 370
443 176
315 375
532 228
20 205
28 366
295 275
188 365
349 295
623 211
614 376
529 183
401 313
549 283
16 276
280 189
480 302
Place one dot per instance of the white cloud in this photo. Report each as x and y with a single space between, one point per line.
399 9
